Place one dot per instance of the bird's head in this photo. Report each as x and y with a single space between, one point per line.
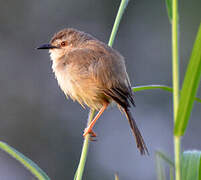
64 41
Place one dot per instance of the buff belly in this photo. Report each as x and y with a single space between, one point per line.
85 92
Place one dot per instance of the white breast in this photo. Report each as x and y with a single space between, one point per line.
62 72
64 79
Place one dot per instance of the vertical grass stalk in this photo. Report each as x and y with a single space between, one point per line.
85 146
80 169
175 81
177 154
120 12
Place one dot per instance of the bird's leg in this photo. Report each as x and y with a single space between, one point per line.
89 130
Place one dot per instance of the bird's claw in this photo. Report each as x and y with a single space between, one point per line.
91 133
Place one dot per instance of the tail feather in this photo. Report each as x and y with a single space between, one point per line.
122 95
138 137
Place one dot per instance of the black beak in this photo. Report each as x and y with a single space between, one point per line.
46 46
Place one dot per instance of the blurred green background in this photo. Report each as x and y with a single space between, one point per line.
35 116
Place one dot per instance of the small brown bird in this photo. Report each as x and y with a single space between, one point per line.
94 74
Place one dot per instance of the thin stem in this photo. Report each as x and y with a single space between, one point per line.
80 170
171 173
175 59
152 86
117 21
165 158
157 86
175 81
85 146
177 144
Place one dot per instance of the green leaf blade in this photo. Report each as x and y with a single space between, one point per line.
189 88
26 162
191 161
169 9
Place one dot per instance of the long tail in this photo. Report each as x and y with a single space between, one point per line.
138 137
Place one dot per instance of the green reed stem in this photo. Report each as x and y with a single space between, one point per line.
80 170
85 146
120 12
175 59
175 82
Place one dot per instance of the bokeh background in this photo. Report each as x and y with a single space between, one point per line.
35 116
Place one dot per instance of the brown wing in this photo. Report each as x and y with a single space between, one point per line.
110 73
106 68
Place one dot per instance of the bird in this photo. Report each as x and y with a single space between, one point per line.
94 74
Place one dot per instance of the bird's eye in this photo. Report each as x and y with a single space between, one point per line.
63 43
